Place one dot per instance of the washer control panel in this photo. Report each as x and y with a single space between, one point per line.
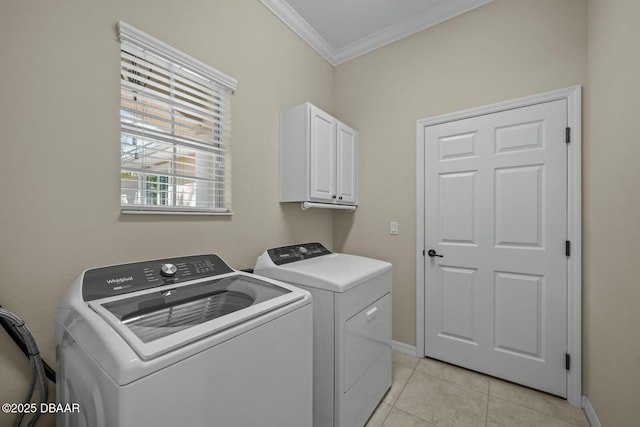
121 279
293 253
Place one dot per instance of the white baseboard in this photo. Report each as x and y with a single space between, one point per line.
404 348
590 412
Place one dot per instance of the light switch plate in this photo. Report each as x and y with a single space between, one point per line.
393 229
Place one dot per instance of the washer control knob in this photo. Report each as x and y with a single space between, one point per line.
168 270
302 250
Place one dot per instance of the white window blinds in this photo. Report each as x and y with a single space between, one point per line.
175 129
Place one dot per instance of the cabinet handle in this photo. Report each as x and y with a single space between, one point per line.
371 313
340 197
333 197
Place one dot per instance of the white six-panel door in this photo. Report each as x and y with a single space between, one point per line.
496 211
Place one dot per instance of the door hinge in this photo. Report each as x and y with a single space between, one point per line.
567 248
567 361
567 135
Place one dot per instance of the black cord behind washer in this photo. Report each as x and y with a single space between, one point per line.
17 338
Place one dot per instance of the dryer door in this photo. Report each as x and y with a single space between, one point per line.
367 335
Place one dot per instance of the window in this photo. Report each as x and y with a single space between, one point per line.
175 129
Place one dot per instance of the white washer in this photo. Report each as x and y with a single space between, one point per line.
351 331
183 342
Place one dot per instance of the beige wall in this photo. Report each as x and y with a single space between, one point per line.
504 50
611 226
508 49
59 111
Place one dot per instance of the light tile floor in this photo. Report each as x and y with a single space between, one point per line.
428 393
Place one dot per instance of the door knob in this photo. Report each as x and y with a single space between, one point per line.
433 253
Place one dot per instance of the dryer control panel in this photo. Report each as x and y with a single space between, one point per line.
293 253
121 279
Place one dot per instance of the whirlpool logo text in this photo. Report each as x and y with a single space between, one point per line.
119 280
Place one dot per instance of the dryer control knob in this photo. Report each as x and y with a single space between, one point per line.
168 270
302 250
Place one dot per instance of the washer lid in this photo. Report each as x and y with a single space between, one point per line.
156 321
333 272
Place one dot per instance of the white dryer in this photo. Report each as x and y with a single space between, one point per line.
183 342
351 331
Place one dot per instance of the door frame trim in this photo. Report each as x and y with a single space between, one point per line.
573 96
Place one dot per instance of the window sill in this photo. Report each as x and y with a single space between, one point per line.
159 212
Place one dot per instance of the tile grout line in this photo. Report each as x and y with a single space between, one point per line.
398 398
414 370
403 387
415 416
572 423
456 383
486 416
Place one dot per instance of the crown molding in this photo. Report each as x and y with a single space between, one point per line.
289 16
393 33
404 29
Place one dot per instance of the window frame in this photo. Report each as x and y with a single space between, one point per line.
216 147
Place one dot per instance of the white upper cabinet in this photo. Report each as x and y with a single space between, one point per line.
318 157
346 165
322 140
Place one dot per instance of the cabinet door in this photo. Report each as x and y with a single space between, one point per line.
322 156
347 165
